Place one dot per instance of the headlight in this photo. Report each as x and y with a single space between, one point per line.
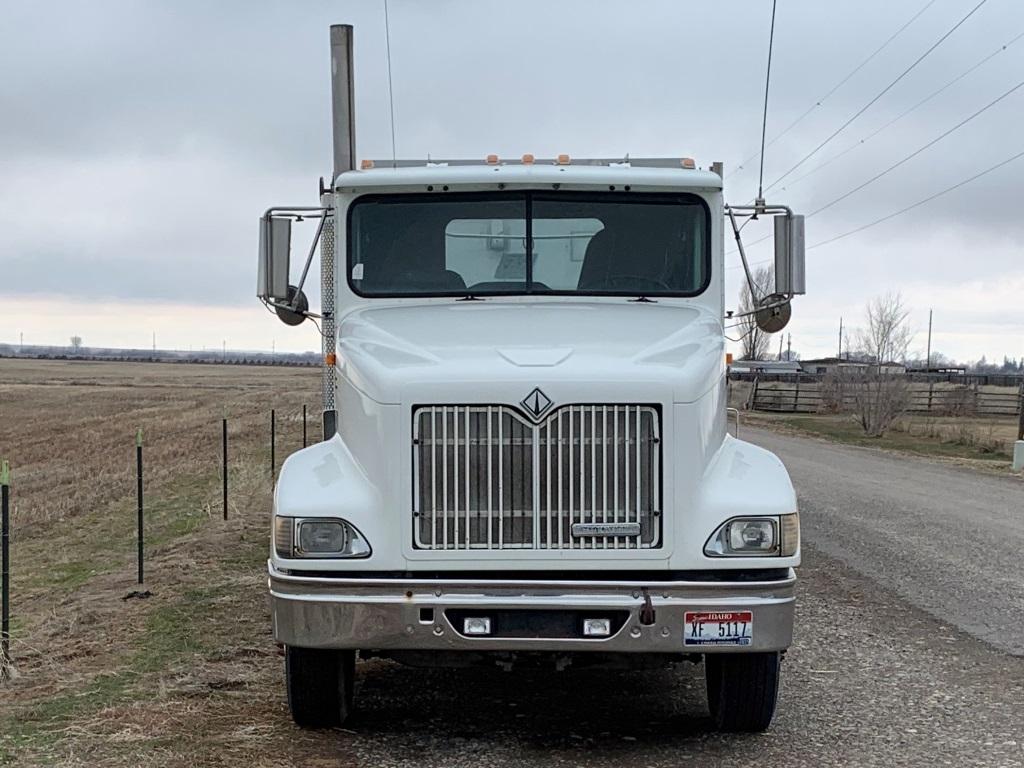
755 537
318 537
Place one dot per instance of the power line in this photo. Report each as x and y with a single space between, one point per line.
919 203
906 209
835 87
767 82
903 114
880 94
917 151
898 163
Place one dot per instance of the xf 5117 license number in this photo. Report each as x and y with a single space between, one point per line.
715 628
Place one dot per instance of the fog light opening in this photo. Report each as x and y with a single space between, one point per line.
597 627
476 625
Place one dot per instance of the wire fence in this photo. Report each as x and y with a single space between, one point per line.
966 402
812 394
199 438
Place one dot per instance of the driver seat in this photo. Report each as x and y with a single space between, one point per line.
597 263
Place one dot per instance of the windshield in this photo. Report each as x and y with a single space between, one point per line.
462 244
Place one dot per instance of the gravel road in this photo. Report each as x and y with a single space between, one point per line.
909 624
946 539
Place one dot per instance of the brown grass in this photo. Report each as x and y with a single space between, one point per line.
189 676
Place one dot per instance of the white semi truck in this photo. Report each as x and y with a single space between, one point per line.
526 458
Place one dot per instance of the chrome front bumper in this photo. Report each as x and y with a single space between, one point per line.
388 614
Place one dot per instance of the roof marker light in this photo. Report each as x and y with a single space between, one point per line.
492 159
688 163
527 159
366 165
563 159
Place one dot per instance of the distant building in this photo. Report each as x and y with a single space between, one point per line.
765 366
945 370
827 365
893 368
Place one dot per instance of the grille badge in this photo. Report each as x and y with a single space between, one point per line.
605 529
536 403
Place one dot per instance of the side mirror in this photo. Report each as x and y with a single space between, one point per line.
790 255
275 258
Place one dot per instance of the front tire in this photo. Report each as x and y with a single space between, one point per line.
320 685
742 689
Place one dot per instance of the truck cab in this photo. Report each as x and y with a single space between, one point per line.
526 457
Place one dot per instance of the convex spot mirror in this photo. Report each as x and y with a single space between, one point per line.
773 314
296 299
790 255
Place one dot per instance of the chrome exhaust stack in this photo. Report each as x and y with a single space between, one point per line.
343 127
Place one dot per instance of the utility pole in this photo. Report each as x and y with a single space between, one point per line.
789 347
154 341
780 346
928 365
21 342
224 350
840 355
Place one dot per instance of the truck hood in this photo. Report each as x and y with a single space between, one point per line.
487 352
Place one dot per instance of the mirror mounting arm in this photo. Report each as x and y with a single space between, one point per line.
309 258
743 254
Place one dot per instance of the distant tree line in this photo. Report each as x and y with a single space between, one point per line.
207 357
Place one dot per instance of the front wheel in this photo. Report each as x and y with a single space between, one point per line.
742 689
320 685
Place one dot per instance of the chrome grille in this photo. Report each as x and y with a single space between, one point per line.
485 477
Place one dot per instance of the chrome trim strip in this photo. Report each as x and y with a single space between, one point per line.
499 583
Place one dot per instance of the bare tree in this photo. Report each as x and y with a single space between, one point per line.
76 343
887 335
754 340
879 395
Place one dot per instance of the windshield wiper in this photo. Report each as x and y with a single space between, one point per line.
469 297
643 300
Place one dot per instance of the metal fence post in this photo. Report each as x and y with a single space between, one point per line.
1018 447
5 571
138 479
224 462
303 426
273 430
1020 409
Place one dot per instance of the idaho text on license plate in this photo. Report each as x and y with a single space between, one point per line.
714 628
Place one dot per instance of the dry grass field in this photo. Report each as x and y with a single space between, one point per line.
190 675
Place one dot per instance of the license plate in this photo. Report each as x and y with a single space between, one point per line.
713 628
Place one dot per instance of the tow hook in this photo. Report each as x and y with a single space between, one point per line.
647 611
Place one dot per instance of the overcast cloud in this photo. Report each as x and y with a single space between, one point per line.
139 142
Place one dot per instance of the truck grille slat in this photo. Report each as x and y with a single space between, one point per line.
485 477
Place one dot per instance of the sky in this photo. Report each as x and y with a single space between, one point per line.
141 141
